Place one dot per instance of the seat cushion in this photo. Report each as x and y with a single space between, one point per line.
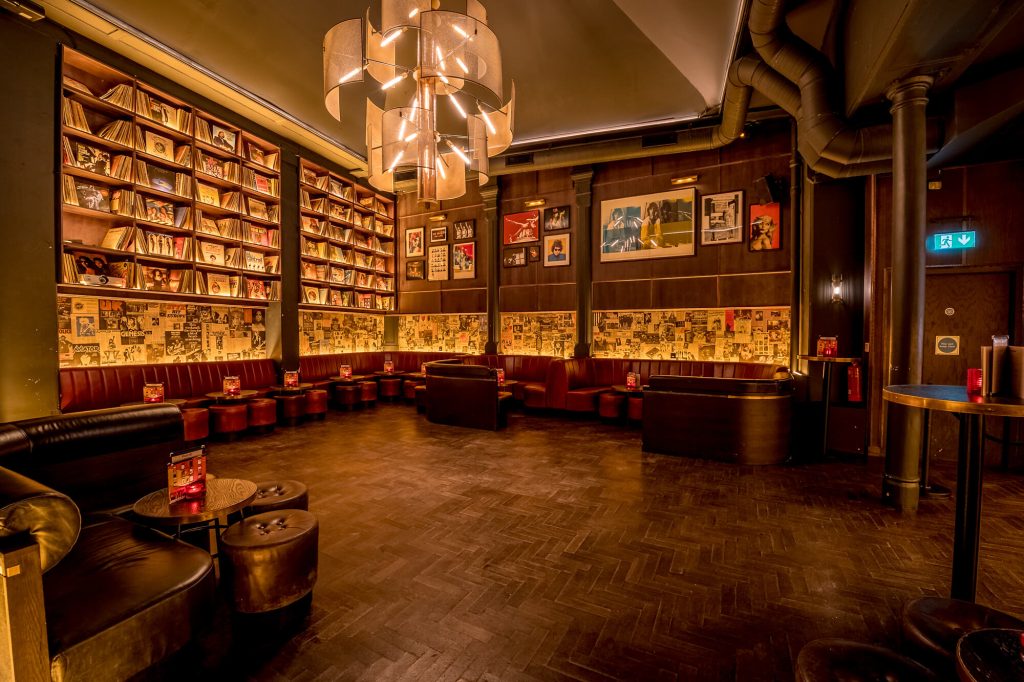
933 625
830 660
535 395
584 399
122 599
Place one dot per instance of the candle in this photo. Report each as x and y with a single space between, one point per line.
232 385
345 371
153 393
631 380
291 379
501 377
389 366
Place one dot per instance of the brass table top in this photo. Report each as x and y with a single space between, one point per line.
223 496
952 399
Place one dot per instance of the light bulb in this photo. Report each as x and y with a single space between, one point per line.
391 38
460 31
487 120
462 65
394 81
440 167
398 157
414 12
458 152
350 75
458 107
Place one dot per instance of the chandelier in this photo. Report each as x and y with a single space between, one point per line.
420 57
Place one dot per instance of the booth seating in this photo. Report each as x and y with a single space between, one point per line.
317 369
465 395
744 421
262 414
530 371
409 389
315 403
839 660
101 598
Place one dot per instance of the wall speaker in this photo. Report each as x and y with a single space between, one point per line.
767 190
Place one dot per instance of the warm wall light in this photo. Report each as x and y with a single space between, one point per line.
533 203
837 288
438 218
684 180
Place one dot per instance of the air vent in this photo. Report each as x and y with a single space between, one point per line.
659 140
518 160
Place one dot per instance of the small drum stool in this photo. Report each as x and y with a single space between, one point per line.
368 392
831 660
409 389
228 421
635 409
315 403
270 559
421 398
290 409
197 423
609 405
346 396
390 388
262 414
278 495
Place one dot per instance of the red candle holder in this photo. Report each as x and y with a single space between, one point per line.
423 368
631 380
973 381
345 371
389 367
501 377
828 346
291 379
153 393
232 386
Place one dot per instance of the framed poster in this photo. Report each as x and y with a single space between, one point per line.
765 227
648 226
721 218
465 229
464 261
414 242
517 228
556 250
514 258
533 253
556 219
414 269
437 262
439 234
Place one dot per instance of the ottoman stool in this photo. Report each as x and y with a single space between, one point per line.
270 559
635 408
315 403
421 398
933 625
609 405
346 396
390 388
227 421
262 414
290 409
409 389
368 392
825 660
278 495
197 423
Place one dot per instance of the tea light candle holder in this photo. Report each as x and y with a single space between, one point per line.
631 380
423 368
501 377
389 367
291 379
973 381
153 393
232 386
345 371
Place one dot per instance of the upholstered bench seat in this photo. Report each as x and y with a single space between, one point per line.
229 420
197 423
584 399
291 408
262 414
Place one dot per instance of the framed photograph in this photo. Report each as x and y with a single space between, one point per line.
158 145
533 253
721 218
464 261
514 258
465 229
648 226
765 227
414 242
517 228
224 138
556 250
437 262
414 270
439 234
556 219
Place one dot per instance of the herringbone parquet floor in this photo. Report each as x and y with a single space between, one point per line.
556 550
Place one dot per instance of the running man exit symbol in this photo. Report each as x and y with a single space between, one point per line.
949 241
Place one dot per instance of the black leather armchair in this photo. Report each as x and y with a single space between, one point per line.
465 395
101 598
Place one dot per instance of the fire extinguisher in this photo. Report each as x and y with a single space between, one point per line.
853 382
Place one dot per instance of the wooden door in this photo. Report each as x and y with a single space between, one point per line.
973 306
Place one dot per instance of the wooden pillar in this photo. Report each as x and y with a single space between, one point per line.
490 196
582 179
909 97
23 651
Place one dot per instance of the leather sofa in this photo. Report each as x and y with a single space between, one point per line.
530 371
744 421
95 596
317 369
465 395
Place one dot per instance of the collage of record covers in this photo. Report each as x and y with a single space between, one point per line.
100 331
724 334
443 333
538 334
323 333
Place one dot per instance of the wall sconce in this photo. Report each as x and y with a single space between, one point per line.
837 288
438 218
684 180
533 203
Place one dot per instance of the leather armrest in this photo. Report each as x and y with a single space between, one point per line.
49 517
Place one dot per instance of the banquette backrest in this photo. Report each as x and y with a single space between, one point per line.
320 367
518 367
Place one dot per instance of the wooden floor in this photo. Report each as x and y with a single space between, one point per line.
556 550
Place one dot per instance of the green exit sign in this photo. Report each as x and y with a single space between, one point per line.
951 241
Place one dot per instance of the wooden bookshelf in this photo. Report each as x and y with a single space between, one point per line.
159 196
347 243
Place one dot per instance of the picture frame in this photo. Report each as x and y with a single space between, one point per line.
437 263
414 247
533 253
465 229
414 270
518 228
659 225
439 234
556 250
721 218
514 258
224 138
765 227
556 219
464 260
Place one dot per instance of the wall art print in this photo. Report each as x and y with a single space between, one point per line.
464 260
721 218
556 219
443 333
518 228
649 226
437 262
414 242
765 227
324 333
538 334
556 250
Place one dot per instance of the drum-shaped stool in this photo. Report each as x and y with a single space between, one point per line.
315 403
346 396
609 405
421 398
635 408
368 392
409 390
390 388
270 560
262 414
227 421
835 660
278 495
291 408
197 423
933 625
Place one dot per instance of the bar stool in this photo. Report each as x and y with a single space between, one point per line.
609 405
290 409
228 421
346 396
197 423
368 392
635 408
390 387
315 403
262 414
